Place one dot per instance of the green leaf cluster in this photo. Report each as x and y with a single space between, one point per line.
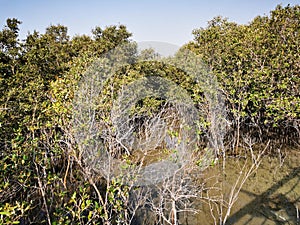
257 66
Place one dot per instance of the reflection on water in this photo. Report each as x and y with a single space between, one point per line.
271 196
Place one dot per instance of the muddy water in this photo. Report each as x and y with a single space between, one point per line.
270 195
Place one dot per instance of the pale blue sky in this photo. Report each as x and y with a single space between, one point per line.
151 20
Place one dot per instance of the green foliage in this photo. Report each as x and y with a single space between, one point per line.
41 181
257 66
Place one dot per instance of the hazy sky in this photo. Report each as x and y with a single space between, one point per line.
151 20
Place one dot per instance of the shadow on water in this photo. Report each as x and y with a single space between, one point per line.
270 206
270 197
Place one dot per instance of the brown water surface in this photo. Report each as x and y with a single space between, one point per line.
270 196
